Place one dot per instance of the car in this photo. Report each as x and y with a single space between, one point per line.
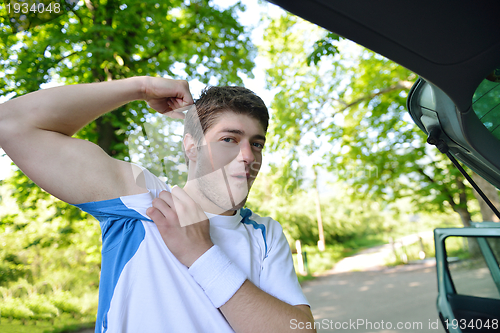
454 47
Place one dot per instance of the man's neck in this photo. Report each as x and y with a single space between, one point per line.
207 206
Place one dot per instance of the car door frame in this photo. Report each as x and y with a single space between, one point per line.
446 286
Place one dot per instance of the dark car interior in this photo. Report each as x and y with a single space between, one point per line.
455 49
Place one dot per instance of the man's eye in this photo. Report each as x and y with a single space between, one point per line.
258 145
227 139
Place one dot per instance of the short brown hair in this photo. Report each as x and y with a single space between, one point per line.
214 101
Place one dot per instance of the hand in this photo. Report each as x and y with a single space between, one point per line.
183 225
169 97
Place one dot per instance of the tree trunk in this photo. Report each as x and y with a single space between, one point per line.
471 241
106 135
491 193
463 210
464 216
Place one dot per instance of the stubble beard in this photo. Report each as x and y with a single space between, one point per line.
213 185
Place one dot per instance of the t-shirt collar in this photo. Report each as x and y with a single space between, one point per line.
225 221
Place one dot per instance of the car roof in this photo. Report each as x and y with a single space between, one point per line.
452 45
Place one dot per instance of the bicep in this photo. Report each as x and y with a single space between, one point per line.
73 170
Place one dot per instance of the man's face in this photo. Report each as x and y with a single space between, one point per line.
229 160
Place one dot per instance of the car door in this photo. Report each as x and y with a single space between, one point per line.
469 277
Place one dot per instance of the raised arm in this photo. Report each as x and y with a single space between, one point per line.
36 130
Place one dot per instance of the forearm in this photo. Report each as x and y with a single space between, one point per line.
246 307
67 109
253 310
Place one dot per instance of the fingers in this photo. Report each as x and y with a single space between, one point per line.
163 210
177 92
169 107
155 215
175 115
167 197
184 98
181 196
175 109
166 95
176 208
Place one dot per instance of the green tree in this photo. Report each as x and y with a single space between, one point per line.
100 40
355 100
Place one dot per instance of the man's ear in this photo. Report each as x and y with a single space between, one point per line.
190 147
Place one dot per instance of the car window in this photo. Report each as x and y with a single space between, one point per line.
473 265
486 102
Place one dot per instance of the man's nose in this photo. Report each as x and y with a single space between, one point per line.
246 153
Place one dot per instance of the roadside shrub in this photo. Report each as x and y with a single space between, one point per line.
12 268
19 291
44 288
67 304
14 309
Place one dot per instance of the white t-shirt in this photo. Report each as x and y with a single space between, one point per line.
144 288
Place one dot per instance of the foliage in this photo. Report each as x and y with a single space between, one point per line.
343 219
323 47
48 277
62 324
343 107
318 262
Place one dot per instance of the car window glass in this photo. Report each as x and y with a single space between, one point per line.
468 261
486 102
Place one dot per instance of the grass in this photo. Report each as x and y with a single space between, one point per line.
355 245
62 324
456 247
318 262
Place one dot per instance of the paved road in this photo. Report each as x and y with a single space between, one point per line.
362 296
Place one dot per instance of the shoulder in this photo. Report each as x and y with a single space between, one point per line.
132 205
147 181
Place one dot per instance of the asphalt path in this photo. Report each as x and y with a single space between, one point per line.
361 295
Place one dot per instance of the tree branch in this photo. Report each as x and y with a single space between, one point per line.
400 85
449 197
463 194
90 5
79 18
151 56
69 55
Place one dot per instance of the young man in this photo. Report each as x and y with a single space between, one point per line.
168 276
